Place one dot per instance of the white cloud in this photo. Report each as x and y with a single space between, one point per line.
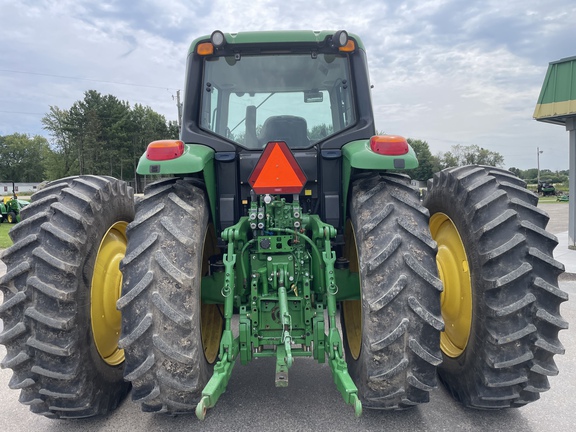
447 71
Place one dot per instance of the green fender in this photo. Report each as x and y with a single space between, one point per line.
358 155
196 158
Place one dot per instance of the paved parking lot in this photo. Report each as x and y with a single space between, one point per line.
311 402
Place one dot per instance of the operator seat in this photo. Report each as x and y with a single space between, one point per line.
291 129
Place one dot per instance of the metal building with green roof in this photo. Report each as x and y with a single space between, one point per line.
557 105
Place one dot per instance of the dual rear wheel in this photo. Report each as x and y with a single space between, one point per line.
68 345
500 300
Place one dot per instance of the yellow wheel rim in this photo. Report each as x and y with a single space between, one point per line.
106 289
352 309
211 322
211 317
454 271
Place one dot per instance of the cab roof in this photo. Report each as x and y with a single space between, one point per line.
280 36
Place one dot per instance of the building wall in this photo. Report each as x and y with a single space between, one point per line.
6 188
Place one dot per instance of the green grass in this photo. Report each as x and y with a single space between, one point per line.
4 238
550 200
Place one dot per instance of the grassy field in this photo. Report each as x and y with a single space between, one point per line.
4 239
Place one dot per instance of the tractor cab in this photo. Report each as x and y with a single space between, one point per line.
250 91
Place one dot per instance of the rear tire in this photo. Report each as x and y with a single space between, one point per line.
12 217
48 292
391 337
163 320
499 353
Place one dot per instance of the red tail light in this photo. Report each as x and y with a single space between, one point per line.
164 150
389 145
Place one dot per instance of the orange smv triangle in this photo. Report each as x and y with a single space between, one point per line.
277 171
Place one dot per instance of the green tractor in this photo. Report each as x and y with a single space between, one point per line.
10 208
283 229
546 188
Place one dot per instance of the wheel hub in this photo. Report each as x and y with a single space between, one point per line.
106 289
211 330
456 299
352 309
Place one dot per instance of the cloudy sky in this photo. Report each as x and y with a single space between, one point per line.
445 71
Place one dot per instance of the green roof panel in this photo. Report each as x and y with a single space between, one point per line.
557 100
256 37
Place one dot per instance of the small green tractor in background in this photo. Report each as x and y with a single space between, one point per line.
282 208
10 207
546 188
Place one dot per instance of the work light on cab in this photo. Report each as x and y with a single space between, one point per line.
342 41
389 145
217 38
164 150
277 171
340 38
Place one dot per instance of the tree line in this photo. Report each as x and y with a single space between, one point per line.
459 155
97 135
546 175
